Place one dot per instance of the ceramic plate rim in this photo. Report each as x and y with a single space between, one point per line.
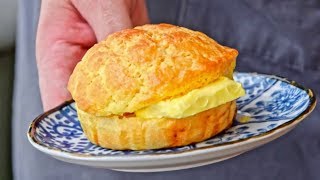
201 150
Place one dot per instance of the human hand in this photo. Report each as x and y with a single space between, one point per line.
67 29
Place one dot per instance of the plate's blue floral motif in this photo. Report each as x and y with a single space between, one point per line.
254 86
269 102
282 101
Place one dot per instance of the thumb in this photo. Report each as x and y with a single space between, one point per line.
104 16
139 15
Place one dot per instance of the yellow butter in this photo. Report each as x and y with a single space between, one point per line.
217 93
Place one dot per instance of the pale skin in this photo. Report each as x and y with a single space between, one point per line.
67 29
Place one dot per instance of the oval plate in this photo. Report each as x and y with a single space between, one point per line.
271 107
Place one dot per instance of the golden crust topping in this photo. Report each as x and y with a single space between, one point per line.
135 68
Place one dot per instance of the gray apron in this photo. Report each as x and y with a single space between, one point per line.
275 37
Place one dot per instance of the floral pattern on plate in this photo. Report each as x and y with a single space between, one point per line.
269 103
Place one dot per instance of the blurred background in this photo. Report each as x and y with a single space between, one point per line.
290 54
8 11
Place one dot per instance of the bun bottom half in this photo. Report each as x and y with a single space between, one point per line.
130 132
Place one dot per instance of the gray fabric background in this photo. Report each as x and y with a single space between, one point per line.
275 37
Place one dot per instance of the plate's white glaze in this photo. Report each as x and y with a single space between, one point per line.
271 107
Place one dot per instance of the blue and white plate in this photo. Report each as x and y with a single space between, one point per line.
271 107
